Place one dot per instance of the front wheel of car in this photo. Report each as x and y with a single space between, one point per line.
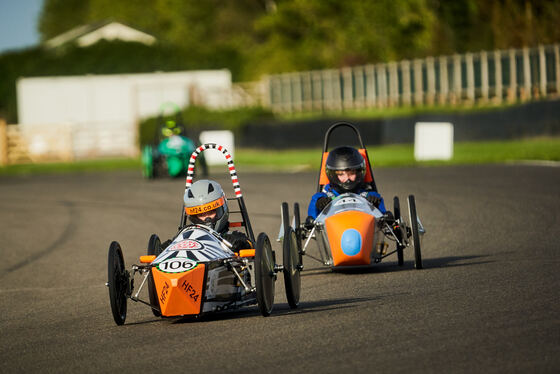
415 232
117 282
154 249
264 274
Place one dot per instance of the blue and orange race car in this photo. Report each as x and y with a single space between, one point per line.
350 231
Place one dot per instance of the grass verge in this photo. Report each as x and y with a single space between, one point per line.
71 167
546 149
403 154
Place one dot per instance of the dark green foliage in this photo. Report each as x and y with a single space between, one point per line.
59 16
473 25
196 119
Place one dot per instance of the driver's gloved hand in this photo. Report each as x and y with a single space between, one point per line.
309 222
322 202
375 200
238 241
389 216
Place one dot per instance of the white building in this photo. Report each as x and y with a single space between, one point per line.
99 114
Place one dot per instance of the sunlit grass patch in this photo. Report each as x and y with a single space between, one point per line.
542 149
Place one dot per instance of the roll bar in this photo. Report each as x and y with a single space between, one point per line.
234 180
363 151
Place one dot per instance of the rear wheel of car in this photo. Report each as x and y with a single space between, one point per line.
264 274
147 162
398 233
291 260
415 233
299 233
117 282
292 276
154 249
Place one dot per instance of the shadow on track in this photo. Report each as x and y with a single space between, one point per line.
451 261
280 310
390 267
283 309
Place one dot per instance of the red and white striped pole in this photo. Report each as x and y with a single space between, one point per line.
229 159
234 181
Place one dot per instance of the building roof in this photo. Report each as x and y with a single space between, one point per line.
87 35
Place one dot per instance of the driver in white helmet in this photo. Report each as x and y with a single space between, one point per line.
206 204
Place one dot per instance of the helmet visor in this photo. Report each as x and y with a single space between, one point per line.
347 179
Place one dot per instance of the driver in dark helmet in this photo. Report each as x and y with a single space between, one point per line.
345 169
206 204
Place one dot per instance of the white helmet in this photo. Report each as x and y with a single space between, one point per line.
203 197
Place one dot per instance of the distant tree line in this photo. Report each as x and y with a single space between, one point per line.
271 36
256 37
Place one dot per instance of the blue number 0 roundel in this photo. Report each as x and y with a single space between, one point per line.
351 242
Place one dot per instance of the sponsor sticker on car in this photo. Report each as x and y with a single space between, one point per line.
205 207
186 244
346 200
177 265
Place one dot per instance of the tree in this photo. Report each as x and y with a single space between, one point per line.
58 16
255 37
315 34
473 25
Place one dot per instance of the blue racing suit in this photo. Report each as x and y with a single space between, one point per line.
329 191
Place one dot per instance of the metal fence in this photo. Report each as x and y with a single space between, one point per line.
485 77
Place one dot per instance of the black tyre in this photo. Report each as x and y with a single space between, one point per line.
264 274
292 277
147 162
285 215
298 231
398 233
154 249
159 166
415 234
117 282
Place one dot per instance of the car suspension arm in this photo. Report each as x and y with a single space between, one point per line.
234 270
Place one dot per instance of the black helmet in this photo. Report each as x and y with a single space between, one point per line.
345 158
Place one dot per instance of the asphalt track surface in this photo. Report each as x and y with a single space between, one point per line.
487 300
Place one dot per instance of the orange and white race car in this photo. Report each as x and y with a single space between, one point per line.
350 231
197 272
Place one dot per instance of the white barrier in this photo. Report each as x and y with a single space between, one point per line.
224 138
433 141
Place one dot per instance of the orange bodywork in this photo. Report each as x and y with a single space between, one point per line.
247 253
180 293
148 259
338 224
